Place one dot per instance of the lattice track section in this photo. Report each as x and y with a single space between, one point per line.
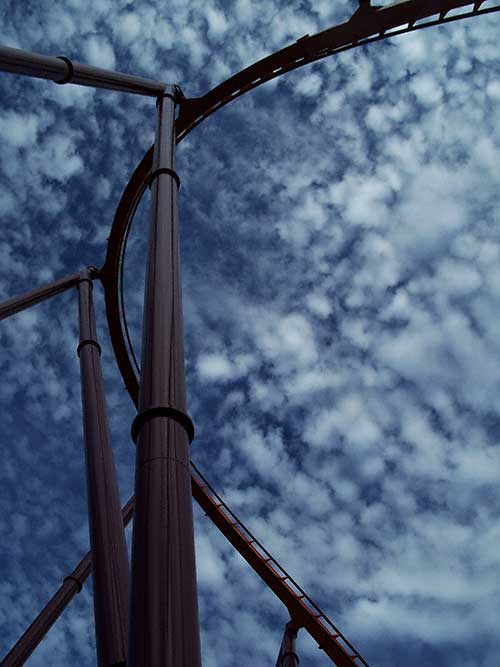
303 610
368 24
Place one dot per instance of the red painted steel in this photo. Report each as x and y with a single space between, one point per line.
304 612
110 567
363 28
287 656
24 301
313 619
164 626
301 607
367 24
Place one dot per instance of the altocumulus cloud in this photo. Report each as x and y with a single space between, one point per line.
341 286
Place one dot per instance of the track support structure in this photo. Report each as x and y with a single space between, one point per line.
110 568
24 301
164 626
62 70
287 656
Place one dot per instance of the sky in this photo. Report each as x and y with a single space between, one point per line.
341 283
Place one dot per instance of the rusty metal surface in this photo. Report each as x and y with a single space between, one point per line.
110 567
164 625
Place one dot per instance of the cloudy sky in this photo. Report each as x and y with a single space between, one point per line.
341 258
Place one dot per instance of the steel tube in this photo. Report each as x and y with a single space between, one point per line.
110 570
62 70
288 651
24 301
70 587
164 626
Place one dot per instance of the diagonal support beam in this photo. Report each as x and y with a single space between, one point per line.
24 301
63 70
107 537
71 586
300 606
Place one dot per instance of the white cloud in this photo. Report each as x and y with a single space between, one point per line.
18 130
215 367
340 251
319 304
309 85
217 22
99 52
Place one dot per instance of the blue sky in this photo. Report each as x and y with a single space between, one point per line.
341 253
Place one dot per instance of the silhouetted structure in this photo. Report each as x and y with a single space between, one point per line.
163 629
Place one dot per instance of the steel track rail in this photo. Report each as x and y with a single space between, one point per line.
304 612
367 25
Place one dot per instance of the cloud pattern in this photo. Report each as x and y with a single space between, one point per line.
341 295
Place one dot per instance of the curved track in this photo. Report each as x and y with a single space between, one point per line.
367 25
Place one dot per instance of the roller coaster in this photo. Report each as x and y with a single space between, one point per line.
368 24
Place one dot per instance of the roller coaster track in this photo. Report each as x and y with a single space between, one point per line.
367 25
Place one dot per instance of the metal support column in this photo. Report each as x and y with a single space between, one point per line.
288 655
164 627
107 537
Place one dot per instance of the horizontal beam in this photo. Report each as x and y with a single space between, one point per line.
62 70
24 301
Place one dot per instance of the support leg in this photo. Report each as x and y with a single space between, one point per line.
164 627
288 655
107 537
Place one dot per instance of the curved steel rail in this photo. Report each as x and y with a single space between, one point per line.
367 25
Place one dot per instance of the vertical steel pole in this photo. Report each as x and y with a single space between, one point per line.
107 536
288 656
164 627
